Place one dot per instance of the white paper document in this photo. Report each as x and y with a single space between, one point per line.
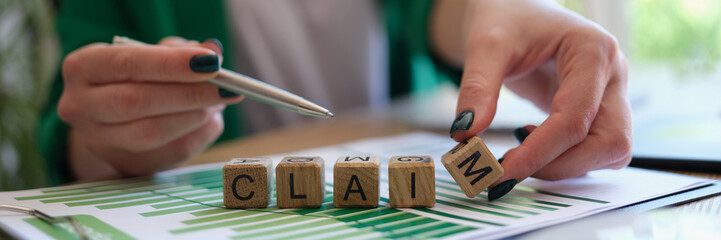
187 203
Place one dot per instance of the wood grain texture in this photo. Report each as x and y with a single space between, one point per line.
356 182
472 166
247 182
412 182
300 182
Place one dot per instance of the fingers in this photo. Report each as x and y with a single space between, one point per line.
125 101
150 133
486 63
134 164
118 103
102 64
608 144
211 43
175 41
585 69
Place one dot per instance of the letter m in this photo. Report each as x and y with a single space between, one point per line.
481 172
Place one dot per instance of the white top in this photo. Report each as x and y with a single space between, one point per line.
331 52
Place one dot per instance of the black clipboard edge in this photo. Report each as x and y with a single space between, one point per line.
675 199
695 165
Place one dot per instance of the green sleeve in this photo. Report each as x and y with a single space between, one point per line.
413 66
82 22
52 135
77 25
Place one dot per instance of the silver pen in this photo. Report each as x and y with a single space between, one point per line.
255 89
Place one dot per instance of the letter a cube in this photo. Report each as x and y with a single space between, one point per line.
472 166
300 182
247 182
412 181
355 182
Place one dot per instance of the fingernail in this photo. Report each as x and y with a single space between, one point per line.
521 134
501 190
205 63
500 160
463 121
226 94
217 43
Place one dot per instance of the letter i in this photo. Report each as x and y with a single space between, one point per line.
413 185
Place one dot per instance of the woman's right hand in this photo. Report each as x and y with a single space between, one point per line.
134 110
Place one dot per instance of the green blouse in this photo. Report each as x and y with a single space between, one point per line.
412 66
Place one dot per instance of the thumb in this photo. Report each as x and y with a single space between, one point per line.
485 66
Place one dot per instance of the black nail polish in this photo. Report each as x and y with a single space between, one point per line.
226 94
500 160
521 134
463 121
205 63
217 43
501 189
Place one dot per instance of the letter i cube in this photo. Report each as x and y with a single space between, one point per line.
412 181
247 182
300 182
472 166
355 182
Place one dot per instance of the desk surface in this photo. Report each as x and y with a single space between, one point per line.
349 128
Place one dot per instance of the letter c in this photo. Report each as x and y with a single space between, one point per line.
235 189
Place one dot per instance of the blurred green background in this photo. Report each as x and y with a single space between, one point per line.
685 34
673 42
28 60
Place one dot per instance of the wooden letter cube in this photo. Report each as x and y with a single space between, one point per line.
412 181
355 182
472 166
300 182
247 182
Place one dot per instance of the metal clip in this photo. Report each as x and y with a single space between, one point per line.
52 220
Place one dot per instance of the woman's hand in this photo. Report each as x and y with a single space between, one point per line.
135 110
566 65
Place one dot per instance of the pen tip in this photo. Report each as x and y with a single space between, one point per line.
329 114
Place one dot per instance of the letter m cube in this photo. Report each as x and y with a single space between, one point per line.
472 166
